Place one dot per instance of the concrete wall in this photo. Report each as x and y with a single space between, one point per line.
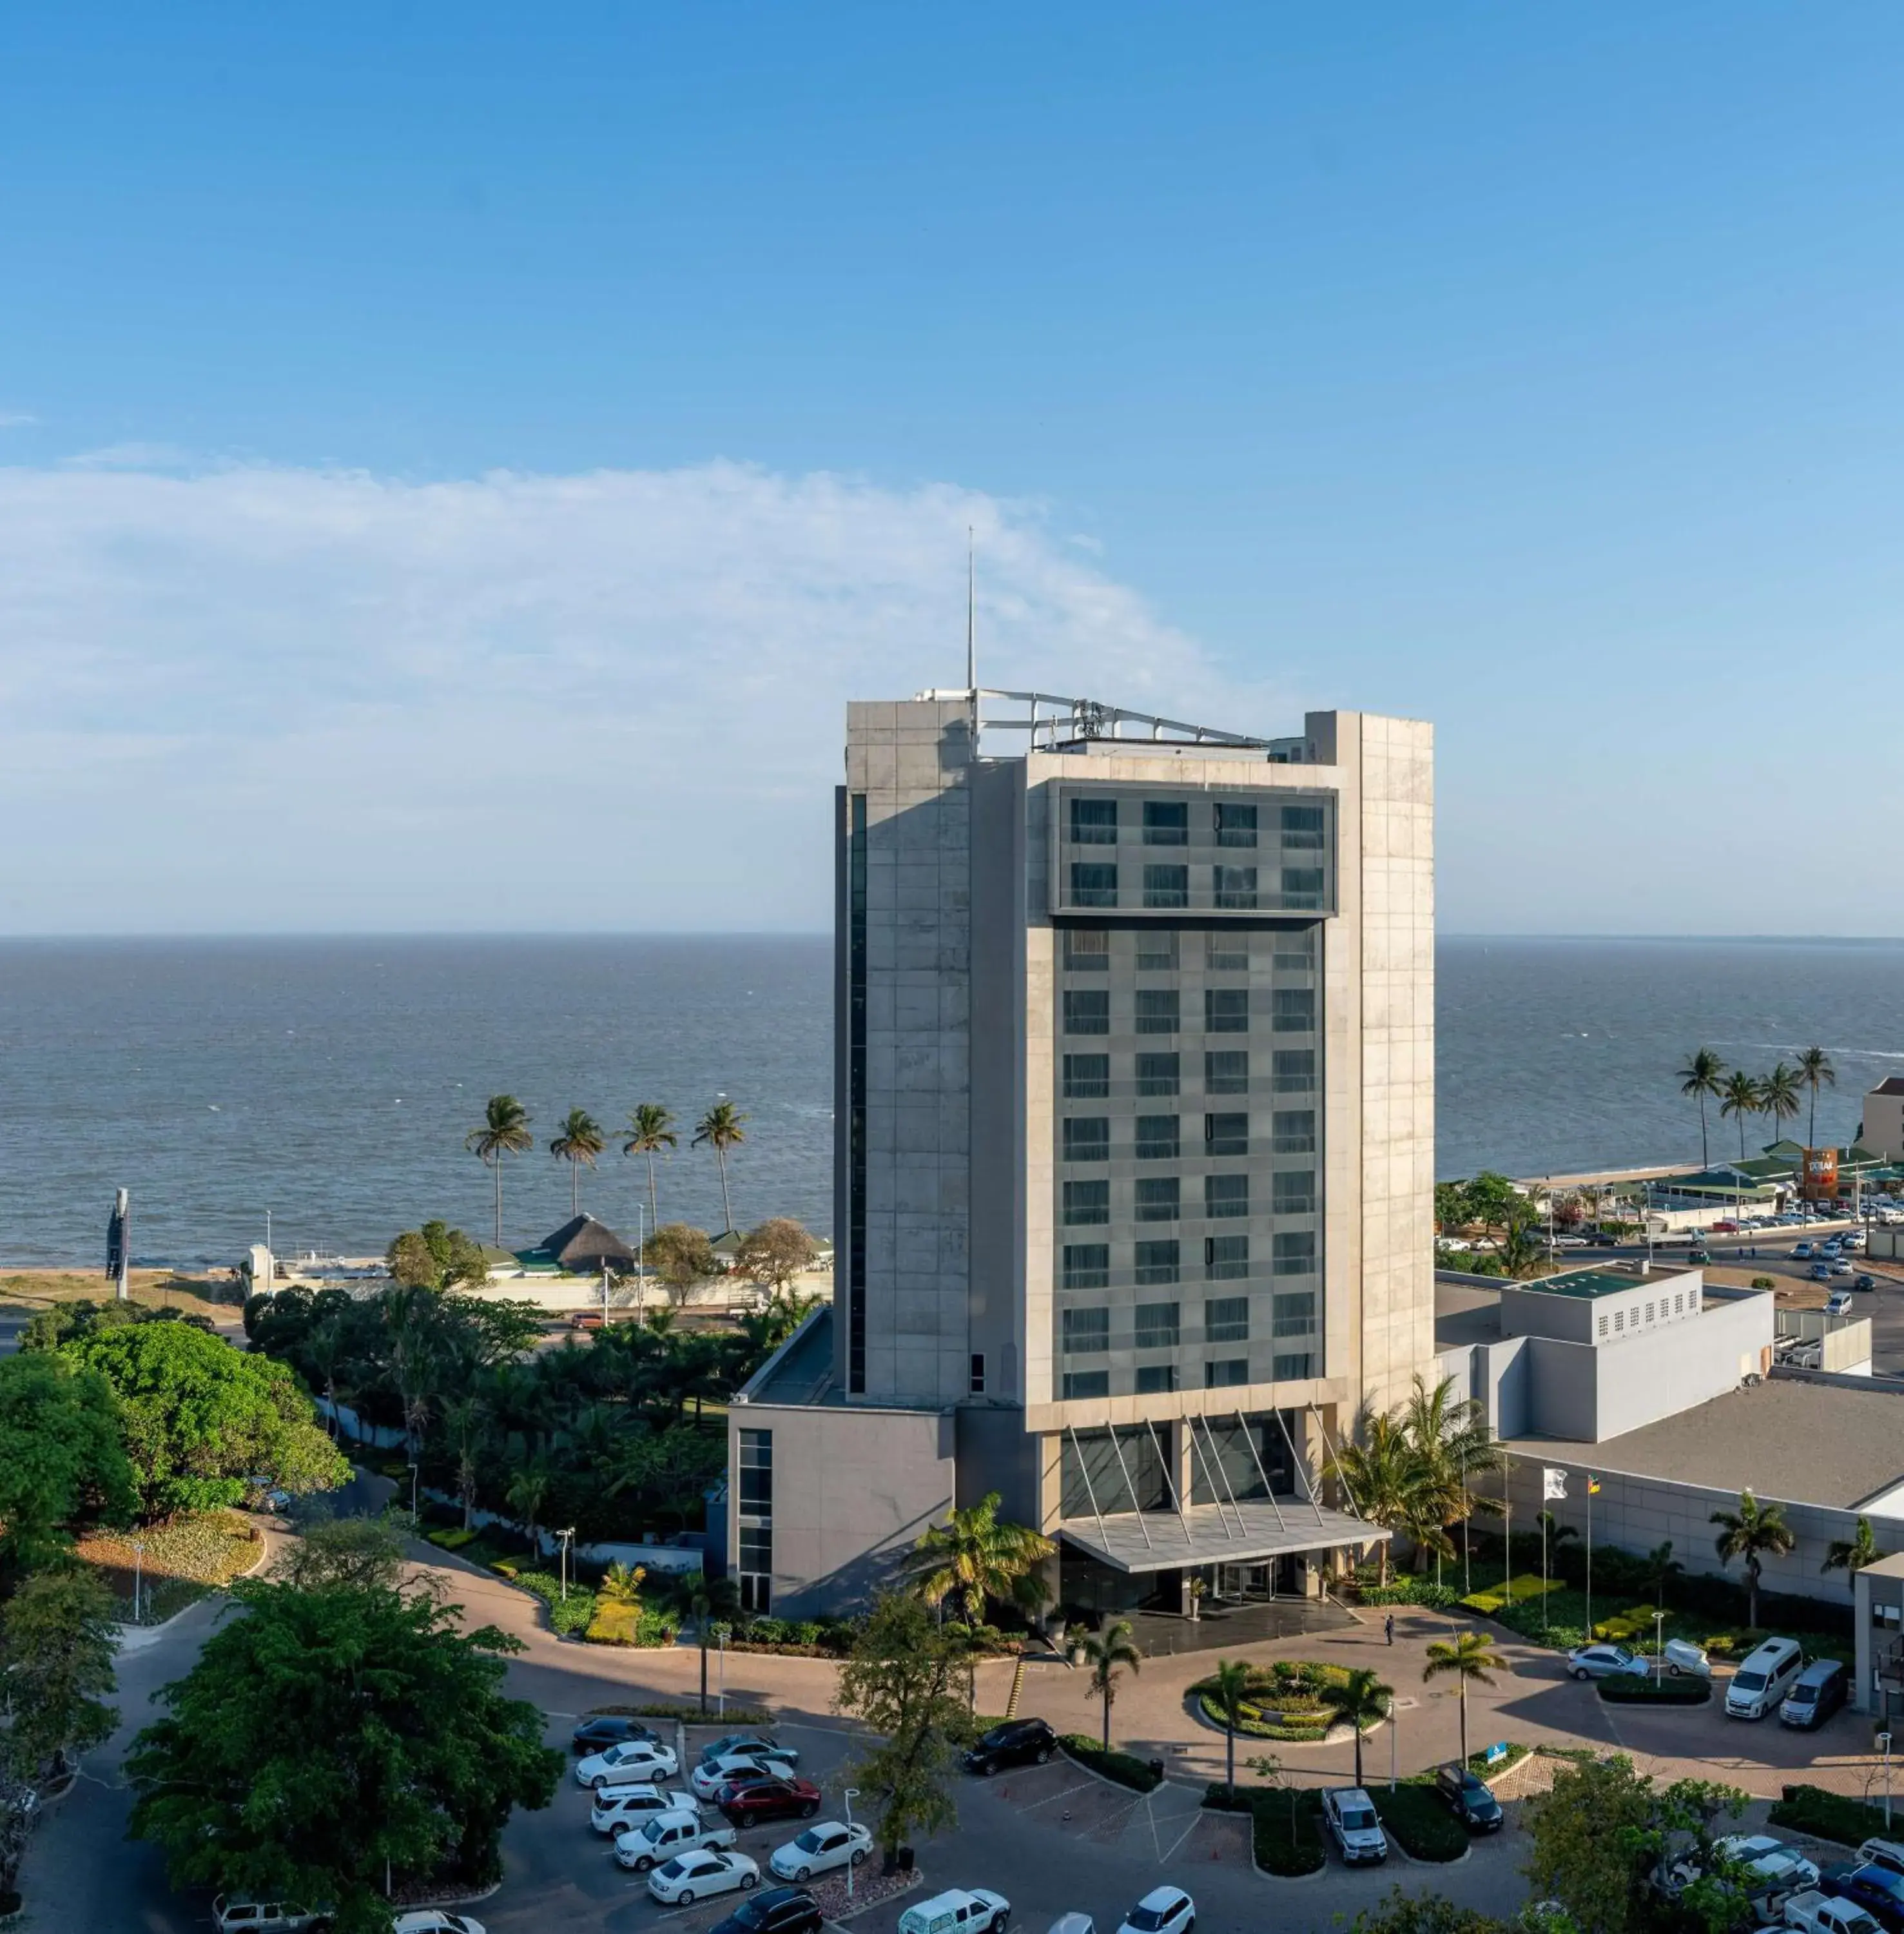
1883 1132
1880 1623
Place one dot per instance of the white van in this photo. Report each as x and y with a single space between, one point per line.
1763 1679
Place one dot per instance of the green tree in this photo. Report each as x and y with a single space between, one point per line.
199 1418
1850 1555
57 1649
436 1257
721 1129
1229 1686
976 1555
1700 1077
359 1552
648 1133
465 1418
581 1141
1383 1478
1108 1652
1399 1913
1778 1097
1452 1214
505 1131
1493 1201
901 1682
1357 1700
1741 1097
1751 1533
681 1257
774 1255
1468 1655
1589 1843
60 1456
329 1737
1662 1568
1453 1446
526 1493
1521 1251
1815 1070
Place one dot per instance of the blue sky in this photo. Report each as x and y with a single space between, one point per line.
410 412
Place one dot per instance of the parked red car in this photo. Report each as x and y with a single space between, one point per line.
1726 1227
761 1800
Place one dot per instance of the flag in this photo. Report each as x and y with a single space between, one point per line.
1553 1483
1592 1486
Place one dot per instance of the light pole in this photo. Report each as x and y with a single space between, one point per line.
1659 1643
1883 1740
138 1574
565 1536
414 1468
721 1634
851 1795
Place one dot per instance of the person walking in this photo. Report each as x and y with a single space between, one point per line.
1389 1628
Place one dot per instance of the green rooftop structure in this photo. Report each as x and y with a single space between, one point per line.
1584 1283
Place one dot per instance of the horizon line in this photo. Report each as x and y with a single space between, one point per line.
128 937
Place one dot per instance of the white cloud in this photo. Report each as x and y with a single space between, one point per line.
16 418
250 697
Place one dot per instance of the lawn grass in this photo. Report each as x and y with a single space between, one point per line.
183 1560
27 1291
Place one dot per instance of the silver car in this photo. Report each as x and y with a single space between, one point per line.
1602 1661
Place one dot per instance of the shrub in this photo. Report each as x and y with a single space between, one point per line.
1828 1816
452 1538
1637 1688
574 1613
1409 1592
1415 1819
688 1715
1284 1833
632 1625
1127 1769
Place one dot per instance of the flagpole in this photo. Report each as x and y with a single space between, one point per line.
1590 1558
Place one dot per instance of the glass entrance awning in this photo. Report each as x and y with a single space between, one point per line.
1243 1533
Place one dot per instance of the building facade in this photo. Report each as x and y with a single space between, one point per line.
1134 1149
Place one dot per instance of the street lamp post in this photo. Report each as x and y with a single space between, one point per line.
721 1633
852 1793
1883 1740
414 1469
565 1536
1659 1643
138 1574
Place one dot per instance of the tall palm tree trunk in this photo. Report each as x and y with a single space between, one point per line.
653 1205
726 1207
575 1189
703 1637
497 1165
1356 1728
1464 1719
1705 1157
1107 1719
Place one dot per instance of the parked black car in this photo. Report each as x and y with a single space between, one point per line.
775 1910
1468 1798
1017 1743
606 1729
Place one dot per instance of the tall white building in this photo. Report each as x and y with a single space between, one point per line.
1135 1080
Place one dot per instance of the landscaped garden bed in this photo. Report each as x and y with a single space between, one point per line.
1828 1816
1418 1820
1127 1769
184 1559
1286 1831
1285 1701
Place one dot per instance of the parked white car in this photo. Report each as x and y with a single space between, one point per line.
1350 1816
618 1808
633 1762
711 1775
826 1843
1781 1866
1601 1661
232 1915
668 1836
694 1877
1164 1910
435 1920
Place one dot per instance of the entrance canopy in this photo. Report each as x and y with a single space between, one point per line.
1231 1533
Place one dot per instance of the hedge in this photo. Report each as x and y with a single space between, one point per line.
1127 1769
736 1714
1830 1816
1285 1829
1408 1592
570 1614
1282 1701
1415 1818
630 1625
1638 1689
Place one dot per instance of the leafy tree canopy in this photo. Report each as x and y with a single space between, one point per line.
436 1257
1399 1913
61 1455
680 1256
57 1650
329 1732
777 1252
358 1552
199 1417
62 1322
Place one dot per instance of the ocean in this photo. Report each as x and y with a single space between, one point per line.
329 1084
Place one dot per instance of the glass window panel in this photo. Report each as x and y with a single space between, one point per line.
1302 886
1093 885
757 1548
1095 1474
1226 952
1224 1195
1156 1379
1234 886
1166 886
1225 1257
1087 950
1227 1072
1086 1077
1294 1192
1086 1202
1078 1383
1094 822
1156 1138
1292 1131
1223 1376
1295 1313
1154 1200
1156 949
1236 825
1157 1074
1087 1010
1293 1010
1086 1332
1292 1070
1087 1265
1302 828
1226 1320
1226 1010
1295 951
1157 1263
1156 1326
1166 823
1226 1134
1157 1011
1293 1252
1087 1138
1295 1368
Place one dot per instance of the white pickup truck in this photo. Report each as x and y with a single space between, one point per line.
1812 1912
662 1836
956 1911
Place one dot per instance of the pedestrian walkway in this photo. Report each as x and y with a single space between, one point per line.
1160 1635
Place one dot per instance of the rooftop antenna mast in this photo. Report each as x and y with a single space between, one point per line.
971 627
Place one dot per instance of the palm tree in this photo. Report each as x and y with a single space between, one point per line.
465 1417
1450 1436
648 1133
1662 1568
1358 1699
721 1128
1382 1476
1700 1077
527 1492
580 1140
1741 1098
712 1597
1748 1532
1105 1653
974 1556
1850 1555
1228 1685
1778 1096
1814 1067
505 1131
1468 1655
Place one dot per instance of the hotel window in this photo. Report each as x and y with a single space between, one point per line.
1157 1264
1234 886
1093 886
1087 950
1087 1010
1086 1077
756 1567
1227 1072
1236 825
1295 952
756 1502
1087 1138
1233 1370
1156 1379
1225 1195
1302 829
1226 1320
756 1474
1078 1383
1292 1011
1157 1074
1225 1257
1302 886
1292 1131
1294 1192
1156 950
1166 886
1294 1253
1156 1138
1086 1332
1226 952
978 1383
1086 1202
1156 1326
1226 1134
1292 1369
1226 1010
1166 824
1154 1201
1295 1313
1292 1070
1156 1010
1094 822
1087 1265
